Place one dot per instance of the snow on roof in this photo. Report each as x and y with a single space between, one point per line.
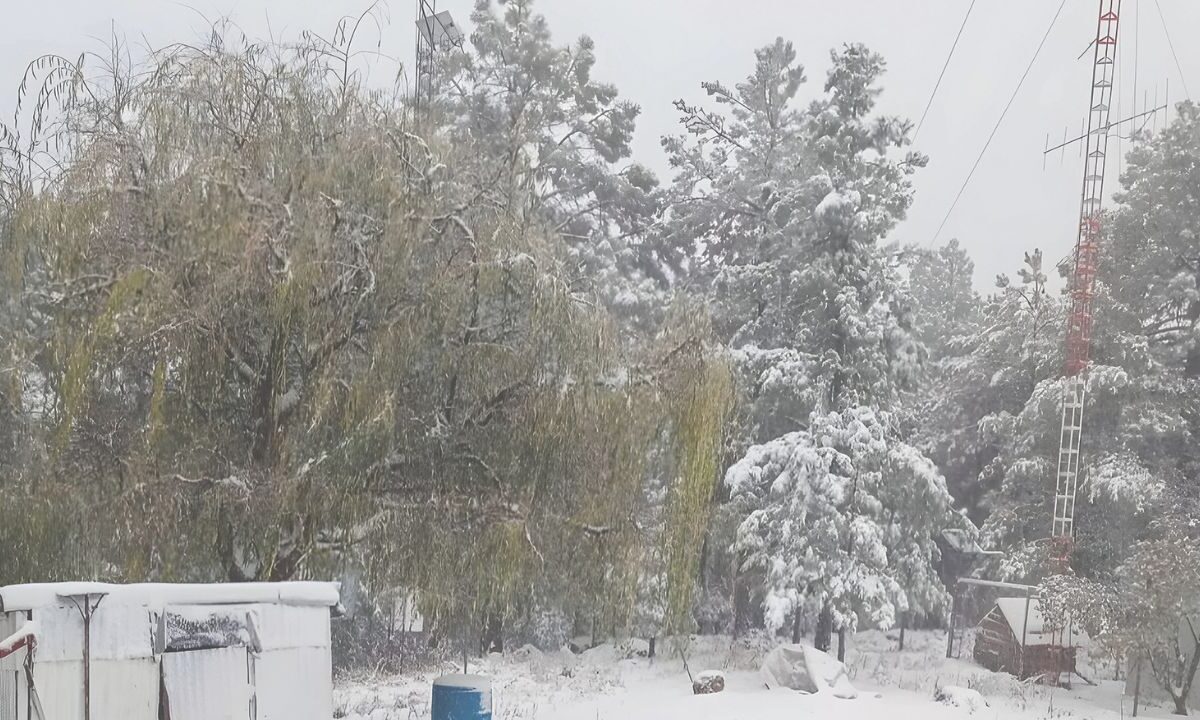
959 541
32 596
1012 609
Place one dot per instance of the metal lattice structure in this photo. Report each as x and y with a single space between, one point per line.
1083 279
436 31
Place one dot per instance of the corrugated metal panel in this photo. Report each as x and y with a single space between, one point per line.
285 626
121 689
59 686
125 689
118 632
121 631
9 669
294 684
60 635
208 684
8 694
293 673
23 705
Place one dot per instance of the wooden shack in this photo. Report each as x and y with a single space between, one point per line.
1012 638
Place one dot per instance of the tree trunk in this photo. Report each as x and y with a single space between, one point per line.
901 633
841 644
1189 675
225 545
493 633
745 614
1137 687
823 637
796 634
653 644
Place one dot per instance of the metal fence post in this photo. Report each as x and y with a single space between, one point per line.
953 616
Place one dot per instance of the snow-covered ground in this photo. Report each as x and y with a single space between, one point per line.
613 683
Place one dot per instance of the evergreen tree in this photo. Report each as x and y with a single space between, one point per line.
552 146
945 304
842 516
979 388
998 412
785 208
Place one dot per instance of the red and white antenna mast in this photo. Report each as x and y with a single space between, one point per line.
1083 279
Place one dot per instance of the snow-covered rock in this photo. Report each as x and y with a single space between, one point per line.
966 698
601 655
579 644
633 648
528 653
804 668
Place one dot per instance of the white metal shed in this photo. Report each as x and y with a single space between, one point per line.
94 651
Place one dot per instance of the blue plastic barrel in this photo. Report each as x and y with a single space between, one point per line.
462 697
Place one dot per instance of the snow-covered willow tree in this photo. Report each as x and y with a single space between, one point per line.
263 323
784 207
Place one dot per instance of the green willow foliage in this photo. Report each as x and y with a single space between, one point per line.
261 324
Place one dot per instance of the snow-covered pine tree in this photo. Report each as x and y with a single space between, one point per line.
987 372
786 207
995 421
842 515
1152 272
945 304
561 141
1139 446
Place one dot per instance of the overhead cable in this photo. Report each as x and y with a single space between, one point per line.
999 122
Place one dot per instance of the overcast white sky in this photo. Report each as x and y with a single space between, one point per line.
659 50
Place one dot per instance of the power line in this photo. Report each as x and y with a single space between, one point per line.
1003 114
1171 45
942 74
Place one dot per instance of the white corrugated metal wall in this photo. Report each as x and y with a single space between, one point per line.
208 684
8 674
290 679
295 645
281 696
14 701
124 671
